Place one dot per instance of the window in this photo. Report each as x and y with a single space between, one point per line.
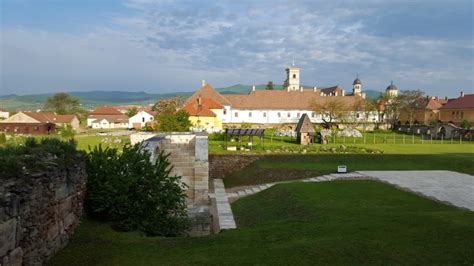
358 115
250 114
225 111
236 114
264 114
288 115
279 114
294 76
313 114
143 119
151 117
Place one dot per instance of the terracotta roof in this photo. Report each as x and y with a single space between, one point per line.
64 118
304 124
433 104
282 99
465 102
207 91
42 117
121 118
203 109
105 110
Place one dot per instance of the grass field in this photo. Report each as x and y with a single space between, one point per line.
388 142
340 222
285 167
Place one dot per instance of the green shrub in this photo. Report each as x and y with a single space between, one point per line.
465 124
3 139
134 193
67 132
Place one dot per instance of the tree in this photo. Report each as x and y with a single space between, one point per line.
410 102
168 105
285 84
332 110
134 192
67 132
269 85
362 110
132 111
173 121
465 124
62 103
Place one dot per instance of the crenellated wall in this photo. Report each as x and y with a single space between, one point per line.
39 211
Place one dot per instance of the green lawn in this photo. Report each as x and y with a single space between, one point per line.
284 167
389 142
340 222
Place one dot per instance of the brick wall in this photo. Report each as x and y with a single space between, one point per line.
38 212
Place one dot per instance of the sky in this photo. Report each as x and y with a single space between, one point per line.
161 46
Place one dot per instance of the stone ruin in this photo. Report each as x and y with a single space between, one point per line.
39 211
188 153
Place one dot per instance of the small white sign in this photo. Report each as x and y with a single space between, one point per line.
342 168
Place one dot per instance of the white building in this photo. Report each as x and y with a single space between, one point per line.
4 114
107 117
272 107
139 120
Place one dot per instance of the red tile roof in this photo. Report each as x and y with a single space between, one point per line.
433 104
203 109
105 110
466 102
42 117
207 91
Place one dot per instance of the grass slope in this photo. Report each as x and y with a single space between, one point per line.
341 222
285 167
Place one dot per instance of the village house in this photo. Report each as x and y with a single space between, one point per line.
37 123
140 120
205 114
429 111
458 110
272 107
4 114
107 117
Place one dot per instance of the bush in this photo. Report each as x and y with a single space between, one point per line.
465 124
134 193
3 139
67 132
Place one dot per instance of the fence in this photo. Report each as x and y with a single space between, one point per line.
395 138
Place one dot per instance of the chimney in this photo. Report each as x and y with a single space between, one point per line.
203 82
315 89
462 94
253 87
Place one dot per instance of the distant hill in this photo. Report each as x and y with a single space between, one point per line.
91 99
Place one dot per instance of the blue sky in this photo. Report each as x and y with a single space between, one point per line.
164 46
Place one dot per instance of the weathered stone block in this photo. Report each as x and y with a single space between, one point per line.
7 236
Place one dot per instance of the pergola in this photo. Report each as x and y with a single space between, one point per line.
242 132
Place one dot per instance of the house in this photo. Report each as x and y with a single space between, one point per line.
428 112
304 131
205 114
458 110
275 107
35 123
4 114
72 120
139 120
107 117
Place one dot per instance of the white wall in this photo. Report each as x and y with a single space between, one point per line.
141 117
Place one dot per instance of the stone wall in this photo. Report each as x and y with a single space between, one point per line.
223 165
38 212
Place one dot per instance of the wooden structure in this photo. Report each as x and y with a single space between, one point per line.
242 132
305 131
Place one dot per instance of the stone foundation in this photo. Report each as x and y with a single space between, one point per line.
39 212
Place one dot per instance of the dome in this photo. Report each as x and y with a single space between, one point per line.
392 87
357 81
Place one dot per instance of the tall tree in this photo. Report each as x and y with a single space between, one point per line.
269 85
332 110
62 103
168 105
410 102
132 111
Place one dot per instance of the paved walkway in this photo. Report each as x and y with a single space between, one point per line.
447 186
224 212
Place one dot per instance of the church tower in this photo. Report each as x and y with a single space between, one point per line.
392 90
357 87
292 78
